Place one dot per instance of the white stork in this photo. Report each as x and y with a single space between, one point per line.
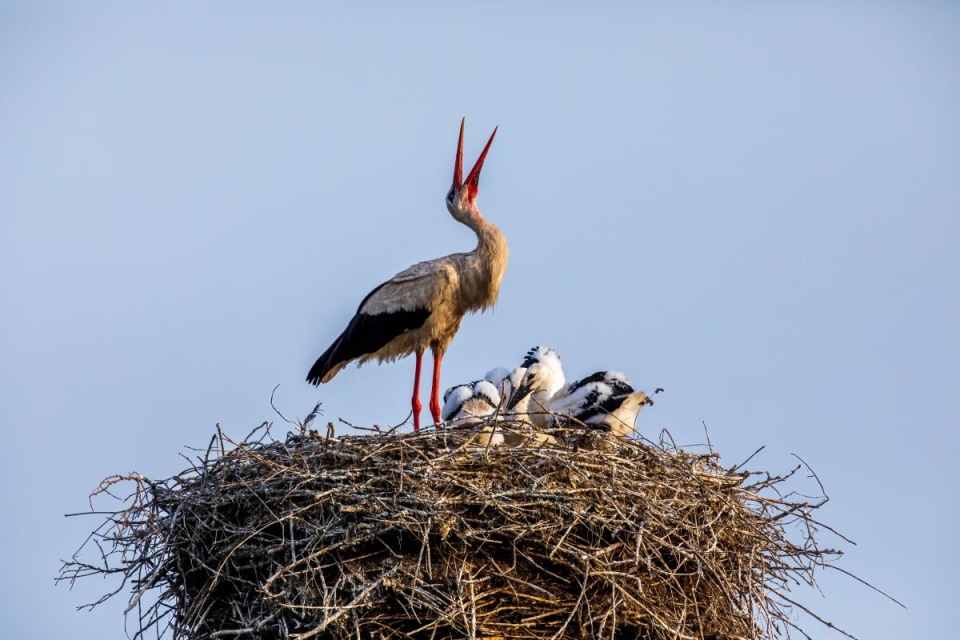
473 399
542 377
605 401
473 403
422 306
480 397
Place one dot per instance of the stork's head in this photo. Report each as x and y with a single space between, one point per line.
462 197
541 382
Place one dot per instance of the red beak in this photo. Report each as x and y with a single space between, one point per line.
473 178
458 164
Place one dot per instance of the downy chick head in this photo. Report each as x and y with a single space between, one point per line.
542 379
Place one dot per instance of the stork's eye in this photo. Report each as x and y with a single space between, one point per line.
450 195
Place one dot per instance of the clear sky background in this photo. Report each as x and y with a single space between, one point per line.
755 206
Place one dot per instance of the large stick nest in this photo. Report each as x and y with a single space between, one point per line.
430 535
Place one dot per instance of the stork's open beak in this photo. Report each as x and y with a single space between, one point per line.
473 178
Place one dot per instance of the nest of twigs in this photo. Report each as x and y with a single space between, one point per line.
431 535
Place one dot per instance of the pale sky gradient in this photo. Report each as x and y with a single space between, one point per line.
755 206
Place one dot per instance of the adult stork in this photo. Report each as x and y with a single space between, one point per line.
423 305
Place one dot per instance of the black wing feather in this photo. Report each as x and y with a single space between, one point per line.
604 408
577 384
365 335
529 360
593 407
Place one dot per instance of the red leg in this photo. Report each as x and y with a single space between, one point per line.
415 403
435 389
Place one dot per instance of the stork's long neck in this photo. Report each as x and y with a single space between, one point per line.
489 262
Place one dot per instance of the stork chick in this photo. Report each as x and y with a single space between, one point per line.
422 306
605 401
470 404
474 399
542 378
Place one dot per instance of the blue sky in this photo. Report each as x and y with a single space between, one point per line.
754 206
